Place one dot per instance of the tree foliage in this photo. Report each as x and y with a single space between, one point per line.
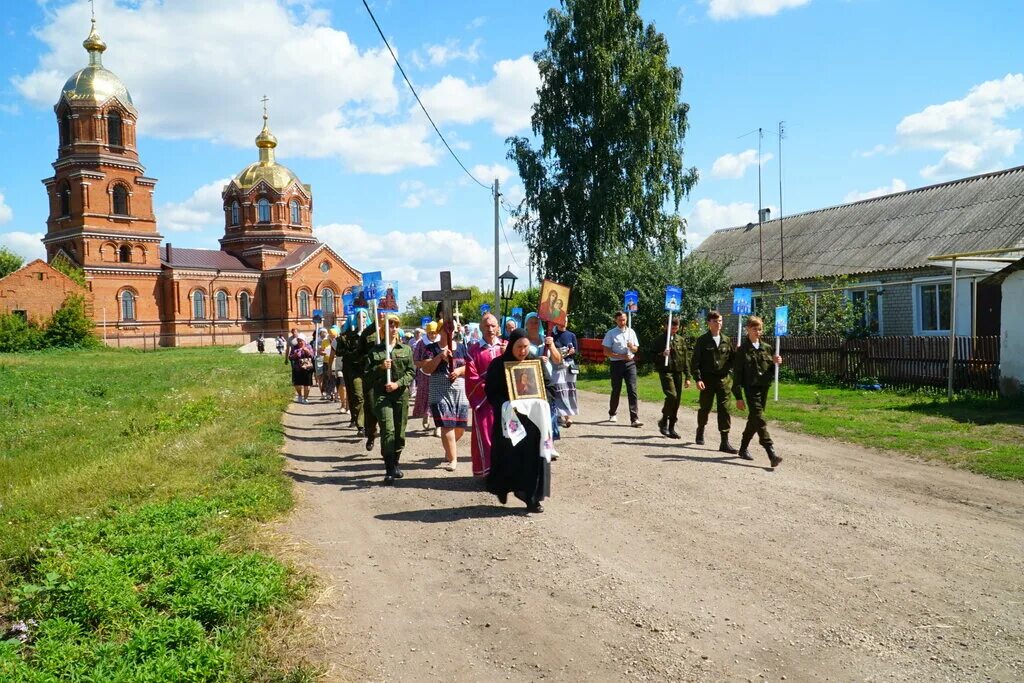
610 125
9 261
601 286
71 325
18 334
824 309
63 264
468 310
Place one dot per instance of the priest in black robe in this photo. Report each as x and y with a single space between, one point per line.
519 468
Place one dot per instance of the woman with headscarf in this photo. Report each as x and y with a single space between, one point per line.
543 348
563 378
449 406
518 468
419 355
301 357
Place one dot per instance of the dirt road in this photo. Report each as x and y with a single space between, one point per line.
659 560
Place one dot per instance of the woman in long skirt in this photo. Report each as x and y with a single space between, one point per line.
515 468
449 405
563 379
421 408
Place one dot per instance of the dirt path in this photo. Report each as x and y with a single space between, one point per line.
659 560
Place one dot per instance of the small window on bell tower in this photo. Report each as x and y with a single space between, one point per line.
64 197
295 211
65 129
235 213
120 200
125 254
115 137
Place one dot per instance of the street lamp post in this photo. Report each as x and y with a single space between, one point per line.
508 288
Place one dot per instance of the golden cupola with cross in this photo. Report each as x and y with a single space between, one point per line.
268 211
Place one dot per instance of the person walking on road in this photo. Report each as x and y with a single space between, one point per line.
752 374
712 362
301 357
620 346
391 398
674 375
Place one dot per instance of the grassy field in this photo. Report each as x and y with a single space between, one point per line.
129 488
983 435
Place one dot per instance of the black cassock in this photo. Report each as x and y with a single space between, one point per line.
517 469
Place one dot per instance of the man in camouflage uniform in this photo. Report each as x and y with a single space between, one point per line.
752 372
672 376
353 361
712 363
391 399
367 341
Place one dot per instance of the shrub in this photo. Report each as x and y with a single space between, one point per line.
18 334
70 326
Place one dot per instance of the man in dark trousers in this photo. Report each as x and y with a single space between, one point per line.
620 346
391 398
672 376
353 365
752 373
367 341
712 363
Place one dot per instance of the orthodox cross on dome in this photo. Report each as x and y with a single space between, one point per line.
264 101
447 296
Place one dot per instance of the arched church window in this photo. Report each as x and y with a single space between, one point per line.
263 210
222 305
65 129
296 212
115 137
127 306
244 303
64 196
303 304
198 305
125 254
120 200
236 213
327 301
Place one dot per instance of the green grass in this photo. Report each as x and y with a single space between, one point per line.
983 435
129 488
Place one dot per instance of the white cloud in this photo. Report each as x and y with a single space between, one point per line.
25 244
708 216
6 213
486 174
505 100
737 9
476 23
418 192
875 151
439 55
896 186
416 258
735 165
328 98
968 131
203 210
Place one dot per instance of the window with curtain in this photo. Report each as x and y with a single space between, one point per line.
127 306
263 210
115 137
303 304
198 305
243 305
222 305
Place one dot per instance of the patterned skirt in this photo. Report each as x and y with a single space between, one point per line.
564 402
448 403
421 407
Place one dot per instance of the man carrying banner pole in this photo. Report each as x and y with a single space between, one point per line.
672 372
751 379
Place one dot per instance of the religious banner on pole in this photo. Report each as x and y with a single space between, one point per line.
387 296
781 330
484 309
631 301
742 302
425 320
673 301
554 303
348 304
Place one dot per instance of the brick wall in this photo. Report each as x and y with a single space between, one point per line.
39 290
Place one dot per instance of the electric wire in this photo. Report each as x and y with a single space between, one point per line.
420 102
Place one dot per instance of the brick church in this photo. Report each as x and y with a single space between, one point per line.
269 274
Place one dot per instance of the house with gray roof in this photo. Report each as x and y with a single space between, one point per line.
885 245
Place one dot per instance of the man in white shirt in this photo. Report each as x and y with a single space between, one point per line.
620 346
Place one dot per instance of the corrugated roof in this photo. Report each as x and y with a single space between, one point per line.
208 259
894 232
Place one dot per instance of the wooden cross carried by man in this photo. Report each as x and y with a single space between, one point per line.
447 297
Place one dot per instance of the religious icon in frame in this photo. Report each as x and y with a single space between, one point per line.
554 303
525 379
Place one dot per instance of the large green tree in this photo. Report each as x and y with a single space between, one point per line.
610 126
9 261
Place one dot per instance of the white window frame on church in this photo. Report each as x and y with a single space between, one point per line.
303 304
127 306
198 305
263 210
295 211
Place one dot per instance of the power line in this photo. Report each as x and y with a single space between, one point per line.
420 102
508 245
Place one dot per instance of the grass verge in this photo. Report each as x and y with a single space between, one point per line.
979 434
131 484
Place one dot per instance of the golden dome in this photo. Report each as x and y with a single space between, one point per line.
266 169
95 83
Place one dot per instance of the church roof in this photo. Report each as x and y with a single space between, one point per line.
204 259
890 233
299 255
278 176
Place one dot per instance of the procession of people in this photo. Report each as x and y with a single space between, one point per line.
457 379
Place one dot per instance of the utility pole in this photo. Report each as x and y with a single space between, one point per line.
497 291
760 215
782 238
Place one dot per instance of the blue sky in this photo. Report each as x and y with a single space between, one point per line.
877 95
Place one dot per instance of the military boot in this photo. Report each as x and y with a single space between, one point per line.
725 446
397 470
772 457
663 426
699 439
744 453
672 433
